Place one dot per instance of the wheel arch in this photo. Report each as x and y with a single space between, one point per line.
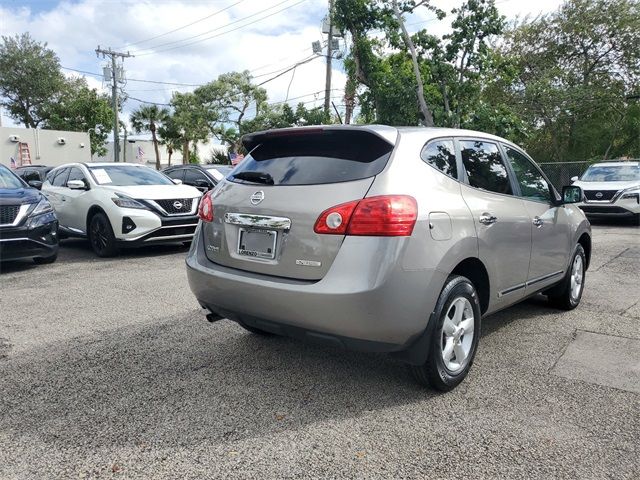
585 241
474 270
93 210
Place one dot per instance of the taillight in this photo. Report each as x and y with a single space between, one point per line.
205 209
385 215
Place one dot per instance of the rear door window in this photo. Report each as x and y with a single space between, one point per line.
312 158
191 176
176 174
484 166
441 155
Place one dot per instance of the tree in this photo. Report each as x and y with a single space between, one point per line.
190 119
578 71
30 78
148 118
170 136
227 101
80 108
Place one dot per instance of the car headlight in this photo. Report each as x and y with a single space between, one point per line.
633 192
43 206
127 202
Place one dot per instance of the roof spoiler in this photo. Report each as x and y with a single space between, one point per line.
252 140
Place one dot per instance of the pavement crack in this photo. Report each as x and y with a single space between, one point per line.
612 259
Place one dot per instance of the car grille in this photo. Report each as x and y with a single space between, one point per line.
176 206
598 209
604 194
8 214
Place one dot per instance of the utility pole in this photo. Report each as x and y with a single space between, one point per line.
114 93
327 88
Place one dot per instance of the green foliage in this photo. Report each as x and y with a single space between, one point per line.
218 157
578 70
226 101
80 108
30 78
148 118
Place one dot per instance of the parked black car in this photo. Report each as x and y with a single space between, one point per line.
33 173
28 224
203 177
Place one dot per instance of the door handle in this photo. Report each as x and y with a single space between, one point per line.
538 222
488 219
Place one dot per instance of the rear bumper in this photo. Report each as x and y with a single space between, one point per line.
37 237
362 303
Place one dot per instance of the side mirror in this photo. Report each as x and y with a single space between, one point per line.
177 181
574 178
76 185
571 194
202 185
35 184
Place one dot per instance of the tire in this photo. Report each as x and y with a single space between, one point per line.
568 293
45 260
101 236
458 295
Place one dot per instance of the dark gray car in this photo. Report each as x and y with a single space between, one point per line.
386 239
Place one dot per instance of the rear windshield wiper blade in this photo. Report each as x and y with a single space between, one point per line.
256 177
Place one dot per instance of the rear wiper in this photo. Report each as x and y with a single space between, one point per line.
256 177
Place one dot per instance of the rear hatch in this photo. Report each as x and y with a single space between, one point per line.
265 211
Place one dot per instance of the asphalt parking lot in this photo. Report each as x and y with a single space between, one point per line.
109 369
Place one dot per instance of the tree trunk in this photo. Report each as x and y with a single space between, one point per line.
427 119
185 151
169 152
152 127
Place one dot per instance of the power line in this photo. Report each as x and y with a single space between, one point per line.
223 33
283 68
288 70
184 26
135 79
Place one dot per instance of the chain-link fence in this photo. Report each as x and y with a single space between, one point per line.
560 173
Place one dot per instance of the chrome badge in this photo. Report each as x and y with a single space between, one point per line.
177 205
599 195
308 263
257 197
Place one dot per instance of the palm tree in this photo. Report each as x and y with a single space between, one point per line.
147 119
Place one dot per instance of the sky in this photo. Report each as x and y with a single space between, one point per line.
192 42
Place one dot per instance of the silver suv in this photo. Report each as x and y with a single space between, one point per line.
386 239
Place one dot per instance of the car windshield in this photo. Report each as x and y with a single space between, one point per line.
126 176
611 173
218 172
8 179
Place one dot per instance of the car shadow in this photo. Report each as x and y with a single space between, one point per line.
79 249
192 381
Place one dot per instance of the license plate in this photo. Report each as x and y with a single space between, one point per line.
257 243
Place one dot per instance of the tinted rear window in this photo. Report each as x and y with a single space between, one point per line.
316 158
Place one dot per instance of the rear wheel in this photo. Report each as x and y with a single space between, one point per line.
636 219
455 338
101 236
568 293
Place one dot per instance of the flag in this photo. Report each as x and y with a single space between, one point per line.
140 155
235 158
13 164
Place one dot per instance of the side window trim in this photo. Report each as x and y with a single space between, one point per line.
463 171
440 139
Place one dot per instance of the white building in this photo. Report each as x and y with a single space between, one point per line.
142 151
45 147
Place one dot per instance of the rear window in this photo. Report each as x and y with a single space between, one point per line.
316 158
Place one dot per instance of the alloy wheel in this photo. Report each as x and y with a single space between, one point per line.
577 277
457 334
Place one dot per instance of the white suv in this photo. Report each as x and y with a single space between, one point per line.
114 204
611 189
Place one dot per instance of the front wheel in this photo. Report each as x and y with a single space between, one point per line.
455 338
101 236
568 293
